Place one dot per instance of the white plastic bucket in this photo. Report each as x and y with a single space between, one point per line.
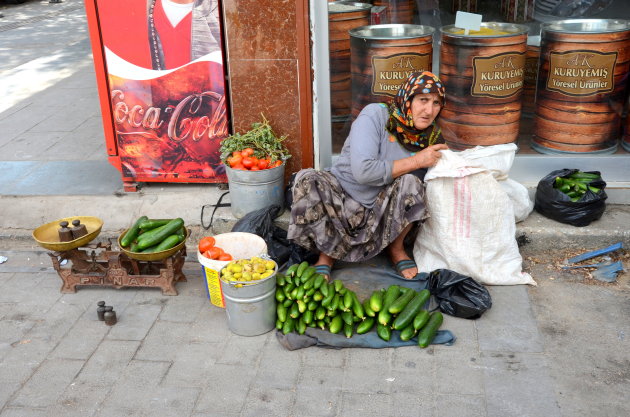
238 244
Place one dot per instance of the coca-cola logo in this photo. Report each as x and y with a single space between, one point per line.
197 116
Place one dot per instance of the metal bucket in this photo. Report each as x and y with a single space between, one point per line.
483 75
250 305
253 190
383 56
582 79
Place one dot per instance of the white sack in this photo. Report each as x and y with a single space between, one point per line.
471 227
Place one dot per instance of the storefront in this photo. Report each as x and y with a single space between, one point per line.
292 62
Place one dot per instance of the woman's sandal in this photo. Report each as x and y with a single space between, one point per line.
404 265
324 270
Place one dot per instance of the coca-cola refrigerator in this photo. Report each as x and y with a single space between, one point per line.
162 90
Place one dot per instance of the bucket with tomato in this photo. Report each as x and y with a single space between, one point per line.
214 252
255 162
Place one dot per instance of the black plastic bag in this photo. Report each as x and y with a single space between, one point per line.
459 295
556 205
261 222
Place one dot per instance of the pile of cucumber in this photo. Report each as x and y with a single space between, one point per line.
576 184
305 299
153 235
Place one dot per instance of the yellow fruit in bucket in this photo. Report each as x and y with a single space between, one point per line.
253 269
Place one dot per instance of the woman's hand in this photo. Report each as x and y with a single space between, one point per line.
424 159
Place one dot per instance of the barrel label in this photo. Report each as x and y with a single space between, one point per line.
581 73
390 71
498 76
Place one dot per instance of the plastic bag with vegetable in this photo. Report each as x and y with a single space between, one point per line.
571 196
459 295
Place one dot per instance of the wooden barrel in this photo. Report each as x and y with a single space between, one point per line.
531 74
383 56
483 75
398 11
582 79
342 17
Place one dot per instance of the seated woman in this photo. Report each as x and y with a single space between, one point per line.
373 195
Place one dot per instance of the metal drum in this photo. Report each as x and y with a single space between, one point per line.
483 73
383 56
253 190
582 79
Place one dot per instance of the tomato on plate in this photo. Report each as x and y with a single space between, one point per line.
206 243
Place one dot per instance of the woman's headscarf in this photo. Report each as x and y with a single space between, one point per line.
400 123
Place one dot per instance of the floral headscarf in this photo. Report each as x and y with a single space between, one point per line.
400 123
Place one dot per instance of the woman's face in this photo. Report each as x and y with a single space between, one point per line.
424 109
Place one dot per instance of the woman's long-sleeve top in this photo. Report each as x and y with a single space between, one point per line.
366 160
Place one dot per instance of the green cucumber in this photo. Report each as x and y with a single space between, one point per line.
168 243
410 311
312 305
280 279
281 312
308 284
368 310
319 280
357 308
324 289
132 233
287 303
384 332
338 285
320 313
288 326
318 296
348 329
301 268
334 305
335 324
307 274
365 326
149 224
301 306
376 301
294 311
421 319
347 317
162 233
347 299
429 331
300 326
407 333
280 297
292 269
279 324
134 247
401 302
391 294
308 316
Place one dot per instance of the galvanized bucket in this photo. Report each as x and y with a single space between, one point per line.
250 305
253 190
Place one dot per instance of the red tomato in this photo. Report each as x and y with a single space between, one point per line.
206 243
213 253
263 163
276 164
238 166
237 153
247 152
248 162
225 257
235 160
254 168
